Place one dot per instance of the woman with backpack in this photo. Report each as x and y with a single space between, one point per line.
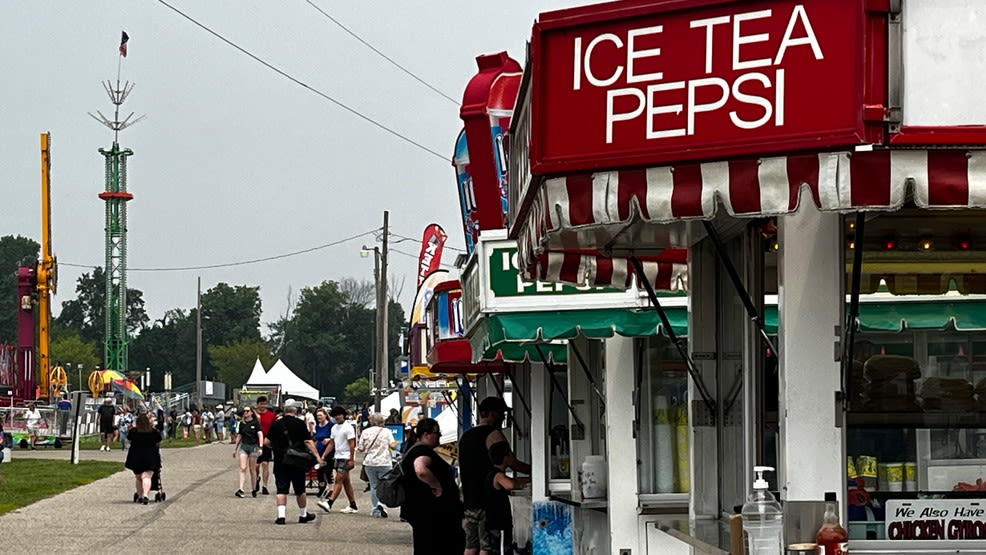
432 496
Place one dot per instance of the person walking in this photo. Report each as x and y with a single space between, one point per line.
474 467
123 424
207 424
219 423
343 440
432 506
266 418
247 448
106 413
161 422
144 456
33 423
290 431
232 423
326 456
376 443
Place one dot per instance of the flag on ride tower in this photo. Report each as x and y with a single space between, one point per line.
123 44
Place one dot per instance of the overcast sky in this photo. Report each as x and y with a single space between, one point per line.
235 162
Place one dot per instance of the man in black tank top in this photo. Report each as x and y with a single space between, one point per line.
475 465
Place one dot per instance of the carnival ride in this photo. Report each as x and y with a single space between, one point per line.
35 285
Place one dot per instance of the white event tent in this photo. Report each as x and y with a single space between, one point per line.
280 375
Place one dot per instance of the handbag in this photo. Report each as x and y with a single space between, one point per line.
362 467
297 456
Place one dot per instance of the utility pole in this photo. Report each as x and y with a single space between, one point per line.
198 346
382 367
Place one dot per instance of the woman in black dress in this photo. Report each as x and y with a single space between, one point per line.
433 507
144 456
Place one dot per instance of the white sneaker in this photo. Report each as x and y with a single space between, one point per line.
324 505
349 510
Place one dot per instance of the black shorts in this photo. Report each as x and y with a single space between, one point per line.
289 477
265 455
106 427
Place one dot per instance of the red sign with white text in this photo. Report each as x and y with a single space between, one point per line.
635 83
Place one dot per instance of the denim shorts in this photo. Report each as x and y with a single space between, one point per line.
341 465
248 450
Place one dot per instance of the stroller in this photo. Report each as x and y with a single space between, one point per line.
156 487
159 494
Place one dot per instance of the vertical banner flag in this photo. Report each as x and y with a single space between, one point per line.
123 44
467 197
432 244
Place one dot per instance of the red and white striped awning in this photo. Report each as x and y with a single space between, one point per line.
568 231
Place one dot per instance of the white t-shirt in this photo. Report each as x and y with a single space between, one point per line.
341 434
33 418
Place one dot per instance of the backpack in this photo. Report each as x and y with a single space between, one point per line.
390 487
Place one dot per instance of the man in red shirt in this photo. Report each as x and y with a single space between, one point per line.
266 418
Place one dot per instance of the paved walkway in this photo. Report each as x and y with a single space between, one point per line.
200 515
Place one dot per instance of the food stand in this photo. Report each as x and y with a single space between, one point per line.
817 151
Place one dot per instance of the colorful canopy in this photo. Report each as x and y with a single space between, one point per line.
127 388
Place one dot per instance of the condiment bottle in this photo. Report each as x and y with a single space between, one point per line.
832 538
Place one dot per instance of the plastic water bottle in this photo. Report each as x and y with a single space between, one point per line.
763 518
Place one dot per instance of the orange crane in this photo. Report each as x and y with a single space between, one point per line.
51 381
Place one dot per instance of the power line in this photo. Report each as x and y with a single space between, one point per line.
414 256
231 264
447 246
306 86
382 55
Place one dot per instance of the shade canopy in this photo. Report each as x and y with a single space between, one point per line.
579 220
517 336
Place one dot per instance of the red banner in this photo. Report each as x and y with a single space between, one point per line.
431 251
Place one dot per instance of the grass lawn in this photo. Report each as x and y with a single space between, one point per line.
92 443
28 480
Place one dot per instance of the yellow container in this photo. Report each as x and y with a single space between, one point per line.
866 469
895 476
910 476
850 469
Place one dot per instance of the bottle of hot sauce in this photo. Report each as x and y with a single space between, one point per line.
832 538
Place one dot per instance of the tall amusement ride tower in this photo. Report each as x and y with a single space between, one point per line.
116 197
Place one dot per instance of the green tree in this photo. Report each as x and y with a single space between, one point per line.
234 362
68 348
358 391
167 345
87 312
14 252
328 338
232 313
